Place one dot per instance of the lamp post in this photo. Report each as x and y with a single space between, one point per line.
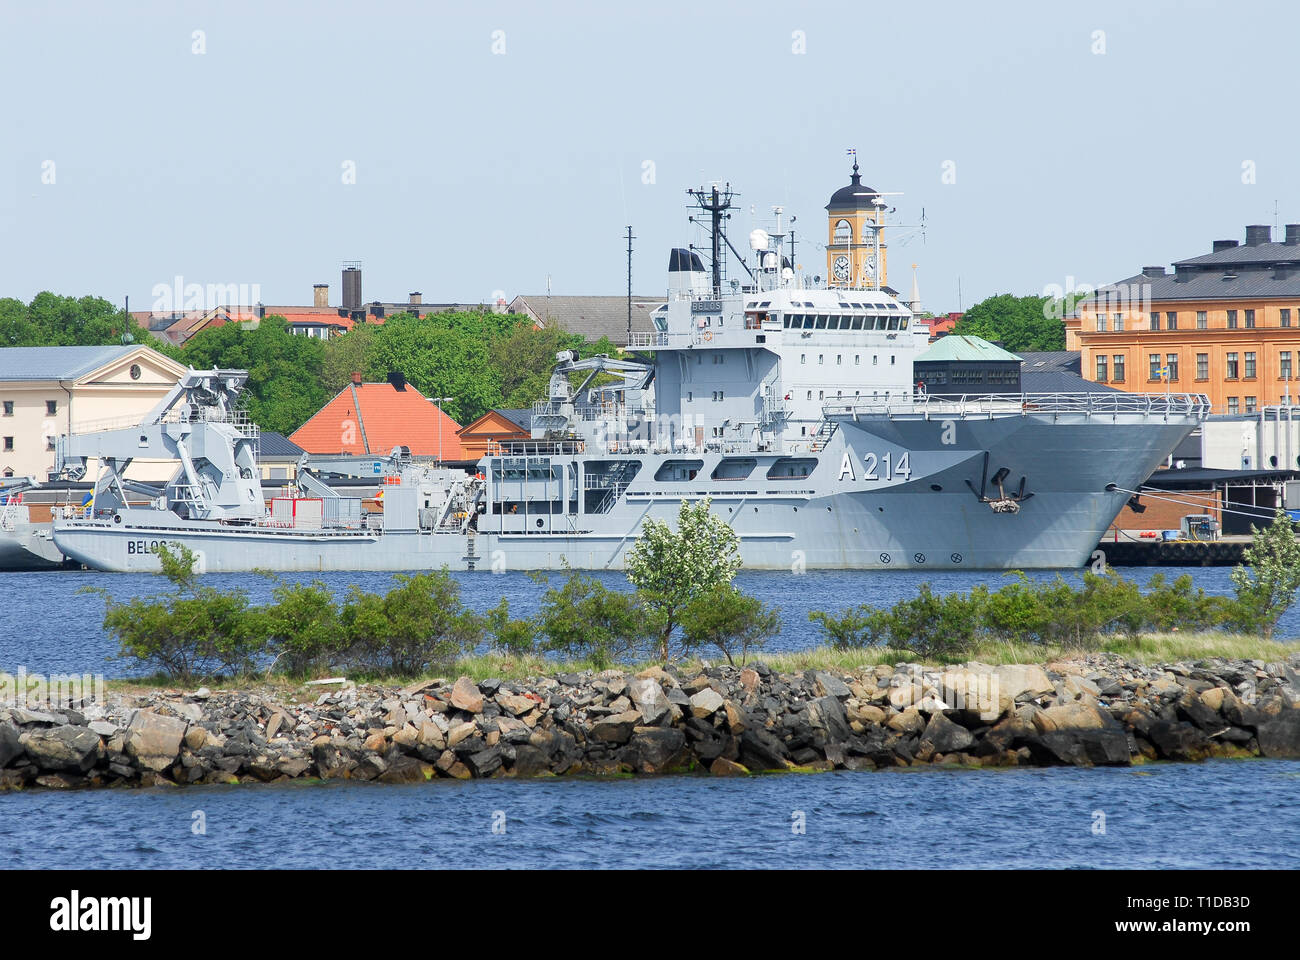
439 401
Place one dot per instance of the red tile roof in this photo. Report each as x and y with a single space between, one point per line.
388 418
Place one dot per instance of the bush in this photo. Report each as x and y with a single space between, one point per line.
418 623
585 619
729 620
302 627
1268 588
517 637
193 631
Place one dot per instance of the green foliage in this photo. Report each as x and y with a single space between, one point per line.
1018 323
586 619
302 627
353 352
1267 589
518 637
284 371
54 321
418 623
937 627
854 628
731 621
192 631
671 568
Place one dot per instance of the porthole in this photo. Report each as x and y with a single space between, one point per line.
935 487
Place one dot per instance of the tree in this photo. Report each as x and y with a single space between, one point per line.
725 618
1018 323
302 625
1268 588
349 353
418 623
441 355
671 568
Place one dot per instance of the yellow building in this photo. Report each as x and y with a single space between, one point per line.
48 391
853 218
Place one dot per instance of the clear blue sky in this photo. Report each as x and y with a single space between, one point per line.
478 171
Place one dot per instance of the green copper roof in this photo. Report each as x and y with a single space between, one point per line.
953 347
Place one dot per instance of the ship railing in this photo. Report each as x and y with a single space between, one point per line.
658 338
1088 404
236 418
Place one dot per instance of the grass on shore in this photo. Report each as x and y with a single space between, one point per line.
1150 648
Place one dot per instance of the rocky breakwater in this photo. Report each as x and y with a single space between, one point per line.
1097 710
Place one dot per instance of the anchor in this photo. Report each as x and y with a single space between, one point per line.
1003 502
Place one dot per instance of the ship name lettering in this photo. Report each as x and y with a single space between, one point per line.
899 469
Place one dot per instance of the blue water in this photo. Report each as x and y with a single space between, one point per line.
48 626
1220 814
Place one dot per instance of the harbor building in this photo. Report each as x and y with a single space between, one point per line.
1225 324
48 391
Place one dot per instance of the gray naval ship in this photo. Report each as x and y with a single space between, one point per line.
790 405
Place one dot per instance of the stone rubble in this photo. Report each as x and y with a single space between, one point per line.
724 721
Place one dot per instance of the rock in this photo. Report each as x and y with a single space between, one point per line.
706 702
944 736
64 747
23 717
485 762
101 728
431 736
909 721
202 693
1177 741
1077 686
514 704
154 740
1016 680
760 750
330 761
490 686
530 761
649 698
407 737
196 738
1280 737
749 679
735 719
406 770
60 781
722 767
1191 707
1167 686
1071 716
829 685
465 695
659 675
827 713
460 732
1213 698
9 745
376 743
653 749
615 729
865 713
294 767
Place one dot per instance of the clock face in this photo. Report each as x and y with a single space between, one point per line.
841 268
869 265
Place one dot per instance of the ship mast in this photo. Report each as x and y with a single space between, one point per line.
715 203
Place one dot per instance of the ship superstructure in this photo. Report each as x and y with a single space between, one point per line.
789 402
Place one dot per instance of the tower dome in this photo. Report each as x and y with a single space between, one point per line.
855 196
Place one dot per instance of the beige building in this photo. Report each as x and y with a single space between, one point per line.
48 391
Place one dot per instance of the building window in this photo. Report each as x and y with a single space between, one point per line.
1202 366
803 358
1119 321
49 443
1250 319
1230 373
1101 369
821 359
1284 365
1154 360
1250 366
1171 361
857 359
9 443
1101 323
838 360
1202 320
1171 320
1232 319
51 407
1155 321
875 359
1233 406
9 408
1119 368
1250 404
1284 316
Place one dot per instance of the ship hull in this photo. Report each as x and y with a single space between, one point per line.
856 510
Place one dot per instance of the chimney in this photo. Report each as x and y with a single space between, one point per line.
1223 245
1257 233
352 286
397 380
356 376
377 309
261 311
1153 271
415 298
320 295
1292 234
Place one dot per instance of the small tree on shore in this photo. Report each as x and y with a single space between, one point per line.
1268 588
732 621
671 568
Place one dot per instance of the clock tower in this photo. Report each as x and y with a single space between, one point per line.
852 217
